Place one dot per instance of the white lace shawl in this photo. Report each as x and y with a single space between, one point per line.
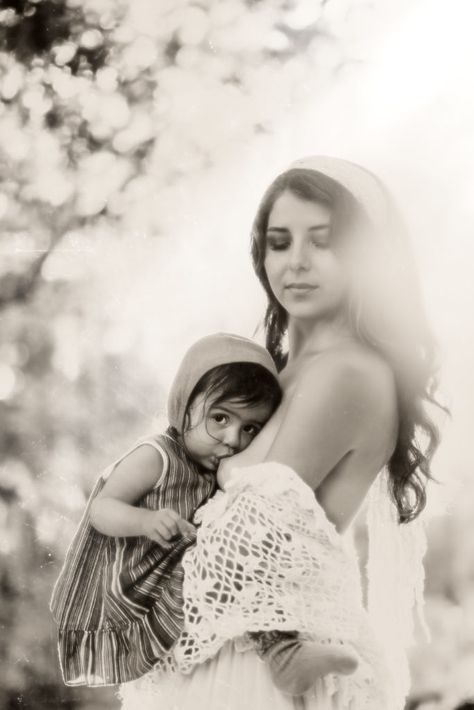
268 558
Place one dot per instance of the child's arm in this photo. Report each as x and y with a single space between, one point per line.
113 511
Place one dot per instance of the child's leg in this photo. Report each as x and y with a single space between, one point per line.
296 663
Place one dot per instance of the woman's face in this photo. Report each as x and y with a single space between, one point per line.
305 274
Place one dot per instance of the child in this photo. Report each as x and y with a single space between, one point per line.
118 599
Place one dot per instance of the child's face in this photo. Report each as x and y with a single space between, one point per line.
216 431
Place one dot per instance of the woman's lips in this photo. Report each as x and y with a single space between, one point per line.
300 287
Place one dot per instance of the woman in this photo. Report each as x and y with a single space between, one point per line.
330 252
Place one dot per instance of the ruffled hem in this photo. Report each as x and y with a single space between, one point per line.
109 656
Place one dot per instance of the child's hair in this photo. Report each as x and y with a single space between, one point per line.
246 382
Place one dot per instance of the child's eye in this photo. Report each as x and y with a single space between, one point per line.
251 429
219 418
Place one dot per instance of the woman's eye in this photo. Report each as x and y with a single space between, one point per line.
320 242
277 244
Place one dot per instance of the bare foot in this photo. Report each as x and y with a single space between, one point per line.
296 664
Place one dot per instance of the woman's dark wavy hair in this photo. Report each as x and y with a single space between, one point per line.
385 311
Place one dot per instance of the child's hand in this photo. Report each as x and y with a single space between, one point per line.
166 526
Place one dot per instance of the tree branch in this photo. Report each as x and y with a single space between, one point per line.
16 288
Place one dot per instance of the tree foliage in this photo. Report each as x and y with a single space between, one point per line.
105 101
104 104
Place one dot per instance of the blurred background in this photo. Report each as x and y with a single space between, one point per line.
136 139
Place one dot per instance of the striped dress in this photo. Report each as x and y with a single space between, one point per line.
118 601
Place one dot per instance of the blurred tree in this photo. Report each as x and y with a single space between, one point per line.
106 102
33 28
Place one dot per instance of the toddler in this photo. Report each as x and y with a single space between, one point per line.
118 601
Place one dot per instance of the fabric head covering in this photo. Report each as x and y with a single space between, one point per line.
207 353
388 264
364 186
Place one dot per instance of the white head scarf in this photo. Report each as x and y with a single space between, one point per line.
365 187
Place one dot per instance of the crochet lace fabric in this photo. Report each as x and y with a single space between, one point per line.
268 558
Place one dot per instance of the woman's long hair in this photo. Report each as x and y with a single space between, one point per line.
385 312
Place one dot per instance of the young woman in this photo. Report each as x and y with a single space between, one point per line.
346 327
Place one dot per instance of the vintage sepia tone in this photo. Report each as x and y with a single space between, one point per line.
137 138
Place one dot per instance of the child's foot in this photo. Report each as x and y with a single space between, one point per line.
296 664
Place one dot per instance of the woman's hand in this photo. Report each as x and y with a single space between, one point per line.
165 526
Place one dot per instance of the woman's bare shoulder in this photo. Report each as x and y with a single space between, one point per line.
351 363
352 374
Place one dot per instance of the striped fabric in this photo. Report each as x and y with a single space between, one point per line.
118 601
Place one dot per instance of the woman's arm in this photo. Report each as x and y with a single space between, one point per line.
336 430
323 420
113 511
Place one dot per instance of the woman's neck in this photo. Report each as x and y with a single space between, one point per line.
308 338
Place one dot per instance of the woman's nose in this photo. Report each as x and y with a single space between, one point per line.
298 257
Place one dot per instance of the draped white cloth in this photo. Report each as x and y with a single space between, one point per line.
266 557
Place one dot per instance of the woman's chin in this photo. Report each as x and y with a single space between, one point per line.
305 311
311 311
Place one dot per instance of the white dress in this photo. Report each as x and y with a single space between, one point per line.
233 680
266 558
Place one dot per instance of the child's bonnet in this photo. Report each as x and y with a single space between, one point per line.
118 600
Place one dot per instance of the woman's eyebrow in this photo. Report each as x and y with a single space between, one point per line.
313 228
